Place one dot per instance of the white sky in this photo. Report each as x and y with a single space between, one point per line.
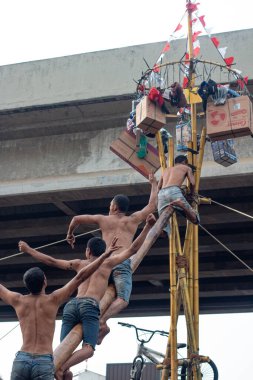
36 29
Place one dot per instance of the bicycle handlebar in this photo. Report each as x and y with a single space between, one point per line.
139 330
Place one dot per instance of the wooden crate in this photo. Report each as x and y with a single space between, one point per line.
125 147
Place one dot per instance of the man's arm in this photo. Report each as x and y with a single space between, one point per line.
65 292
191 179
9 297
152 204
160 183
48 260
137 243
81 219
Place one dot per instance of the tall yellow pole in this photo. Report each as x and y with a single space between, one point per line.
195 258
171 351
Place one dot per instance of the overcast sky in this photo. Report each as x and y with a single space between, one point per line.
36 29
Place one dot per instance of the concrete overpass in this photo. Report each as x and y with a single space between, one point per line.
57 120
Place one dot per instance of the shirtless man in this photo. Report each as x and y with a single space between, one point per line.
117 223
85 307
36 313
170 192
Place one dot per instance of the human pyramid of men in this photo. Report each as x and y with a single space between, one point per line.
107 259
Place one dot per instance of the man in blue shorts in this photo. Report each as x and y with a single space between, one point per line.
117 223
170 192
84 307
37 313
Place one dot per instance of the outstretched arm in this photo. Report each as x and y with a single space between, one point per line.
65 292
152 204
76 221
9 297
48 260
134 247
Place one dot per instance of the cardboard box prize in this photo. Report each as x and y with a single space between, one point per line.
125 147
149 116
231 120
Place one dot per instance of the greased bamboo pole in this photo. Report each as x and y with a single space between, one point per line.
173 286
188 313
171 349
196 241
161 151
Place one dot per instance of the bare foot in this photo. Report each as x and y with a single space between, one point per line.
190 214
103 331
63 375
59 374
68 375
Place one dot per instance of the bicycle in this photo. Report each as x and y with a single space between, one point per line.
207 367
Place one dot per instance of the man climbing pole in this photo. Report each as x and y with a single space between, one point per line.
84 307
170 192
117 223
36 313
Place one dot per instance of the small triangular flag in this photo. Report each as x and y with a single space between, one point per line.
215 40
178 28
229 61
222 51
201 19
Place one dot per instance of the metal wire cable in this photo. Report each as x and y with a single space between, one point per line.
9 331
227 249
49 244
232 209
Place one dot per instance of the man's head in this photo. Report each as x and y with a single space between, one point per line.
95 246
34 279
120 203
181 159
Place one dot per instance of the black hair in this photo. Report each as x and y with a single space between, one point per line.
97 246
122 202
181 158
34 280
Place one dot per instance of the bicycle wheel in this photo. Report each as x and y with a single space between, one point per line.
136 369
208 371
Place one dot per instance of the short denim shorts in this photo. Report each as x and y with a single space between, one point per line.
121 277
83 310
32 367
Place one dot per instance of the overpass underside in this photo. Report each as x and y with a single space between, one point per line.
37 205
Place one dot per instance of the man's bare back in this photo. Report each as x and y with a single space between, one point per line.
117 223
175 176
90 288
37 314
120 225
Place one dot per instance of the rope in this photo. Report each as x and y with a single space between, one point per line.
232 209
49 244
223 245
9 331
